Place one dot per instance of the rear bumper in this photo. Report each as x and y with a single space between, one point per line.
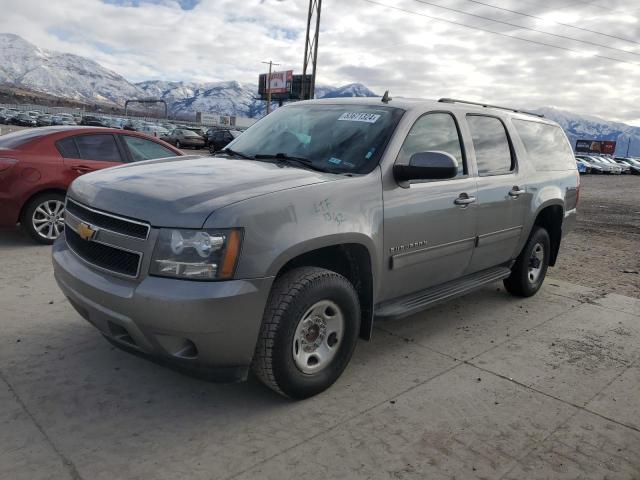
209 328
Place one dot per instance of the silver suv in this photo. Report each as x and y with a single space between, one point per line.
277 253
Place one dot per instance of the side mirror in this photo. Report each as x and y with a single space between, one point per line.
427 166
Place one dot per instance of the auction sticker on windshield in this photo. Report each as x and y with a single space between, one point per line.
359 117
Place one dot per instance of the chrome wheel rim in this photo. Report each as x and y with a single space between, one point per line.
48 219
318 336
536 261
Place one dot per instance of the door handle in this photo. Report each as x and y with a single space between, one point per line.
464 200
516 191
82 168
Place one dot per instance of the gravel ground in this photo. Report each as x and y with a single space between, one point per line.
603 251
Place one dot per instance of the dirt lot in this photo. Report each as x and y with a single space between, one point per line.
603 251
485 386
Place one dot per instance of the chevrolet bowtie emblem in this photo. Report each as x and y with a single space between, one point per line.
86 231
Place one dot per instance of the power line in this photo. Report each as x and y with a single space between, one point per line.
460 24
564 37
551 21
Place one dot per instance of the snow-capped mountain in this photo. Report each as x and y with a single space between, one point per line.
67 76
27 66
225 98
229 98
350 90
593 128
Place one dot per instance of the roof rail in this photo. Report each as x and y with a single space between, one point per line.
486 105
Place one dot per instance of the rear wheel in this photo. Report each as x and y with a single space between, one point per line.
43 218
309 332
530 268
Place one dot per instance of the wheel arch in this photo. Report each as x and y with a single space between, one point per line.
353 260
550 216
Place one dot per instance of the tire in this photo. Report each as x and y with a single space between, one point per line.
300 303
531 266
43 217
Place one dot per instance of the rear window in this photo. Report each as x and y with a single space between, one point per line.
546 145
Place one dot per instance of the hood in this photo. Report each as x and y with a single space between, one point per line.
182 192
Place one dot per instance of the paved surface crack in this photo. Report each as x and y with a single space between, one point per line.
348 419
68 464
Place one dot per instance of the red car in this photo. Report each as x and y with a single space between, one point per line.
37 166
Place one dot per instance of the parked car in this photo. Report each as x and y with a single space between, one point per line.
183 138
606 166
24 120
7 116
62 120
37 166
278 253
616 165
582 168
624 168
44 121
155 131
634 165
218 139
94 121
590 167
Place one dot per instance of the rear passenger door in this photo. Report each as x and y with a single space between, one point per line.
86 153
502 199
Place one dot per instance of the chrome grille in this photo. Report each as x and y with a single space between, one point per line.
104 256
104 240
107 221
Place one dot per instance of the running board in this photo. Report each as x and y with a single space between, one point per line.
410 304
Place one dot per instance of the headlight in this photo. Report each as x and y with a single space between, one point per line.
196 254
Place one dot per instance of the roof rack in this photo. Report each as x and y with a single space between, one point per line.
486 105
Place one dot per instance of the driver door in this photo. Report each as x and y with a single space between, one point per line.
429 234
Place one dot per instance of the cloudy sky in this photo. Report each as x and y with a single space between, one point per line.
411 47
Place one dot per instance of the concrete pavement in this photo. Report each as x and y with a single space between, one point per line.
486 386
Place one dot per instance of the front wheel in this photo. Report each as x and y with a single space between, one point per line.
530 268
309 332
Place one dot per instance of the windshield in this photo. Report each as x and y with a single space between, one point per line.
336 138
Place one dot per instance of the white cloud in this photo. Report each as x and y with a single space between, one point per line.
359 42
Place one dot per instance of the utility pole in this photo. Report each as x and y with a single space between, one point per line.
628 145
311 49
271 64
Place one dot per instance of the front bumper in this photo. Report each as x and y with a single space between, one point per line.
209 328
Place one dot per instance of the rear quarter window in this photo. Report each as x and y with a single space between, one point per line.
547 146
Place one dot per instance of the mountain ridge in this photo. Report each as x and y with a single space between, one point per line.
28 67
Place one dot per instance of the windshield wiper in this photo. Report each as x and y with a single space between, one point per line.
284 157
233 153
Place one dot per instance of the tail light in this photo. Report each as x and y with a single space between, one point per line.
7 163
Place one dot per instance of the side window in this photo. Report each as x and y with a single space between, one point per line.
433 131
142 149
490 141
100 147
67 148
546 145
